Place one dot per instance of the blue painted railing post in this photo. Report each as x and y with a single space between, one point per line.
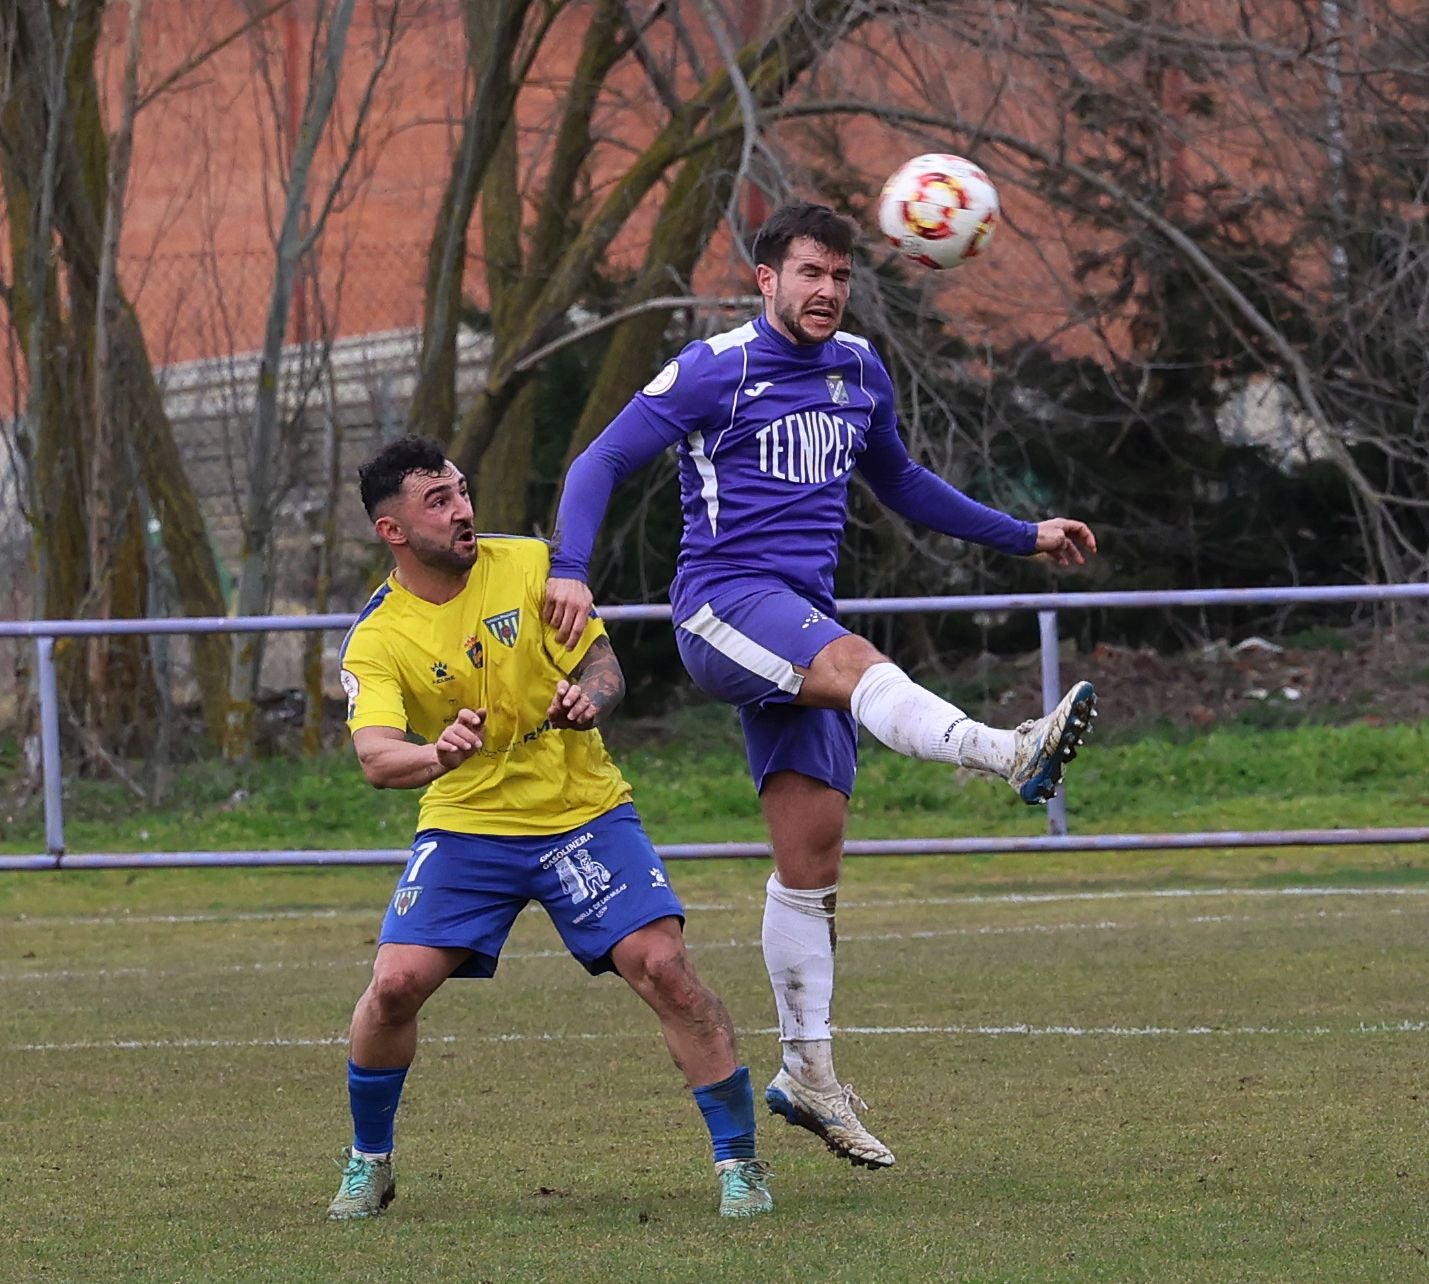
50 746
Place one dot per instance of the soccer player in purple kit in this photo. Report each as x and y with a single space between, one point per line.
768 421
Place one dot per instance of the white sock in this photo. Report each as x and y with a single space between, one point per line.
811 1061
911 720
362 1154
799 954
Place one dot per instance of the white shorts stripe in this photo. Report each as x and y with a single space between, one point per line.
743 650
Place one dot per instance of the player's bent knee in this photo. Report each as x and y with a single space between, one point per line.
397 994
833 673
660 969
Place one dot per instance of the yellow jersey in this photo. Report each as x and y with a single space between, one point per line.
411 664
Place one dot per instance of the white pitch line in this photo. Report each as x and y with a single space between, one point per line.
137 920
1019 929
1016 1030
253 916
1143 1031
158 1045
695 907
1126 894
123 973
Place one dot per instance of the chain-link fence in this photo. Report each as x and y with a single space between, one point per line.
347 376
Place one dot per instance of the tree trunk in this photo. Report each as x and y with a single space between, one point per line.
325 545
265 443
687 219
53 150
493 32
768 68
501 487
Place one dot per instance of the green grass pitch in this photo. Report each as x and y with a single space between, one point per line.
1083 1077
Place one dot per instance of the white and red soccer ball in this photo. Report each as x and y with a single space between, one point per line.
938 210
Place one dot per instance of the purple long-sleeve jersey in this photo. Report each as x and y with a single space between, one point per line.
767 433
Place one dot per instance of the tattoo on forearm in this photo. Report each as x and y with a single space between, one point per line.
600 677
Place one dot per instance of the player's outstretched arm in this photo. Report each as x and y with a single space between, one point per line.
390 761
1066 541
628 443
567 608
598 687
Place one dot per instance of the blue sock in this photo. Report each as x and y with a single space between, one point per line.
374 1095
728 1108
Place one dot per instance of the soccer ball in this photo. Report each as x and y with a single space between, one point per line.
938 210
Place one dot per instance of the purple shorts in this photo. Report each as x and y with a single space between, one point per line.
741 646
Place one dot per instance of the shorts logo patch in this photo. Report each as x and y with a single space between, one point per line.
812 618
657 877
582 877
404 900
504 627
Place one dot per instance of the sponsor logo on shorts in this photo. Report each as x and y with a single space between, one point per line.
557 853
602 905
657 877
813 618
582 877
404 900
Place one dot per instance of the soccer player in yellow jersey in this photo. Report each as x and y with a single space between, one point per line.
522 803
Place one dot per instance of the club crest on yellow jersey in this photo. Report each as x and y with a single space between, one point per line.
411 664
505 626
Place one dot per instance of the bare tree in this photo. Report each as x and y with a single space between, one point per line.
696 114
54 164
269 440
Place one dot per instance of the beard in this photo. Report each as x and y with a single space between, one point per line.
446 558
792 323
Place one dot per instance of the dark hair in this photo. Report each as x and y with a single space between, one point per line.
818 222
382 476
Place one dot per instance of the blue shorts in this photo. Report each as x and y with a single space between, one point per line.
598 882
742 646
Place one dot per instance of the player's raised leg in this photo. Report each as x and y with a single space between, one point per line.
806 821
381 1046
851 673
700 1035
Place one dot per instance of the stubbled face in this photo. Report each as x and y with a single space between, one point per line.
432 516
805 299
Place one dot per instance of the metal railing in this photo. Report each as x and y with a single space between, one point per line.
1047 605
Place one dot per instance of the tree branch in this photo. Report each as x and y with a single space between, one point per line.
189 66
669 303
